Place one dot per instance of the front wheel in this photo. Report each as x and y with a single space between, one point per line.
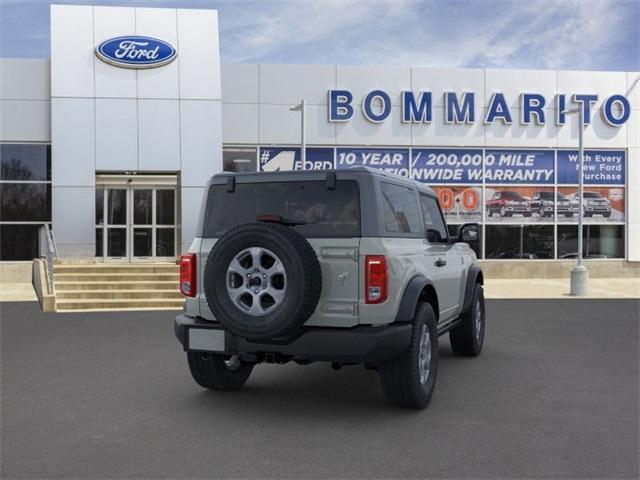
218 372
409 380
468 337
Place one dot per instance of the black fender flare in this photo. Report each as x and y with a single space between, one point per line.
410 298
473 276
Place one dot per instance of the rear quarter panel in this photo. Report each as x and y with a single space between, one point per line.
405 260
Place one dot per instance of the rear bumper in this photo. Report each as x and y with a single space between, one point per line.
361 344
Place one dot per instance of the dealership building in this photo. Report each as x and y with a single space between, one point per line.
114 157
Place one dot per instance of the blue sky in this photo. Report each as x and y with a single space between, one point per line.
546 34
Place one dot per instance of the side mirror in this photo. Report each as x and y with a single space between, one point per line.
469 232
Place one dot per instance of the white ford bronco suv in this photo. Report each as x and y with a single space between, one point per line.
348 266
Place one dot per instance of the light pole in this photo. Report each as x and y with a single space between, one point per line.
303 131
580 274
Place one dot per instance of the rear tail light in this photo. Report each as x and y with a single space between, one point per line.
188 274
375 278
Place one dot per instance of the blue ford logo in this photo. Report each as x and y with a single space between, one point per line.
134 51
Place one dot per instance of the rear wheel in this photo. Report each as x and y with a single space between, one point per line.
409 380
468 337
218 372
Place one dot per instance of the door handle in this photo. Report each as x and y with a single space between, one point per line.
440 262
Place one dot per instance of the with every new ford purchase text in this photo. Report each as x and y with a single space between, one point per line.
350 266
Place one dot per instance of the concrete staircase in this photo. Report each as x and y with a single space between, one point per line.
127 286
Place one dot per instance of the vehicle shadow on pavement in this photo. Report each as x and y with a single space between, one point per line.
310 390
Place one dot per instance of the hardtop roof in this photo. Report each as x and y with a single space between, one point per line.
318 174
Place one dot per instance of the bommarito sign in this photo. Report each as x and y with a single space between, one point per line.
460 108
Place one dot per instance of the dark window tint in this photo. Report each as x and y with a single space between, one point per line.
142 206
116 242
529 242
25 202
165 207
117 207
99 206
165 242
400 209
326 213
18 242
142 242
25 162
545 195
434 224
509 195
598 241
99 242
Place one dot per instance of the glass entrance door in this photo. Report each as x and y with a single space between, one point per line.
136 223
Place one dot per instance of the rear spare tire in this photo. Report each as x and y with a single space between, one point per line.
262 280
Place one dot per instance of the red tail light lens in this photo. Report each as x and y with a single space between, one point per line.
188 274
375 278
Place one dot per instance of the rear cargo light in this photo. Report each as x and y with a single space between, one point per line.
375 278
188 274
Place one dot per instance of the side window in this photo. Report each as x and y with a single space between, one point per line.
433 220
400 209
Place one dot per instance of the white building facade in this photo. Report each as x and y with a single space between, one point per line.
115 158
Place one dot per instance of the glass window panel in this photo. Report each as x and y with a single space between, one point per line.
99 206
18 242
165 207
116 242
530 242
165 242
598 241
321 212
239 159
400 209
142 242
142 207
99 242
433 220
117 207
25 202
25 162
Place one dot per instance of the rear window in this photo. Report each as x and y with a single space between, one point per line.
327 213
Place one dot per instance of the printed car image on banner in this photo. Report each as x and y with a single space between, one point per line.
438 165
600 167
460 204
601 205
273 159
518 166
504 204
390 160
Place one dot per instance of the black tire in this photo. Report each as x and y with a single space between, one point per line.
400 377
210 371
465 338
303 281
527 214
606 214
568 215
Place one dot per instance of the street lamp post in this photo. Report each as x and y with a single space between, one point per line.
303 131
580 274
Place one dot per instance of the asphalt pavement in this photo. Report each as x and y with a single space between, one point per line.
555 394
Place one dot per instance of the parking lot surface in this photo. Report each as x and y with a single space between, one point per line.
555 394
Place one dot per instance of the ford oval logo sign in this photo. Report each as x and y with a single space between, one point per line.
134 51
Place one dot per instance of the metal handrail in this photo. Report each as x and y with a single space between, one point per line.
50 253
